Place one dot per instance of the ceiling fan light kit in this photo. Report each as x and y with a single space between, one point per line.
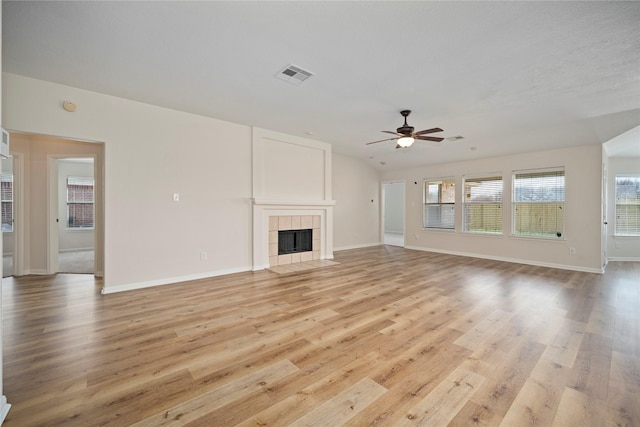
405 141
405 135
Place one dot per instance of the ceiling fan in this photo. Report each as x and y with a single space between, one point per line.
405 135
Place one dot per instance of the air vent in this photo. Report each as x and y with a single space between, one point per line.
294 75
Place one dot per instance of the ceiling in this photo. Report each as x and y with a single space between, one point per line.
510 77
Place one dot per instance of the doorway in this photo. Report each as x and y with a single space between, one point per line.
393 213
75 214
41 204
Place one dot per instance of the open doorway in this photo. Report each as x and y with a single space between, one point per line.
75 216
7 190
43 168
393 213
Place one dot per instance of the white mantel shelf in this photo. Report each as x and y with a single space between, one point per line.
293 202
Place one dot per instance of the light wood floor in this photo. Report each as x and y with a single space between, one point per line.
388 337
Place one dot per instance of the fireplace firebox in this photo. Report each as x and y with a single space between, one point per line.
294 241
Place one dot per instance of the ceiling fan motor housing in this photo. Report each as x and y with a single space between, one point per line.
405 130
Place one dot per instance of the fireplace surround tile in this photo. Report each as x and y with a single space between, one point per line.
293 222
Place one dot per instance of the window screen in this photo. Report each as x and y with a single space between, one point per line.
538 203
627 206
483 204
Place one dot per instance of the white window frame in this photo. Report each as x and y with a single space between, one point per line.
80 180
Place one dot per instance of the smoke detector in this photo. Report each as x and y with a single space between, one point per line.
69 106
293 74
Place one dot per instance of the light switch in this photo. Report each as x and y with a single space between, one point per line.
176 197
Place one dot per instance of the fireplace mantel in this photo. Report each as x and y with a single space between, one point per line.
263 209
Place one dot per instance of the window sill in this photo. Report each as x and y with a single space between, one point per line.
477 233
539 239
440 230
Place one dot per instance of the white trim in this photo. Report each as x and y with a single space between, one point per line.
4 408
172 280
296 203
360 246
37 271
512 260
76 250
624 258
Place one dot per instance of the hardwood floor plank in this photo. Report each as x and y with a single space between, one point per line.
577 410
564 348
196 408
483 330
343 406
537 402
444 402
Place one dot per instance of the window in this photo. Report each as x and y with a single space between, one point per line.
483 204
440 203
538 203
79 202
627 206
6 183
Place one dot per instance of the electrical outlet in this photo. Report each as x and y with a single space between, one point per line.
572 251
203 256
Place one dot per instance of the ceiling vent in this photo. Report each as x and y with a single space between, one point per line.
294 75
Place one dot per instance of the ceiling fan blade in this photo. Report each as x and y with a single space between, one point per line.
424 132
392 133
382 140
429 138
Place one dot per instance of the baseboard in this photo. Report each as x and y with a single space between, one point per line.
360 246
37 272
624 258
4 408
171 280
512 260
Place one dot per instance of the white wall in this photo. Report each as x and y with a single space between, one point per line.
150 154
356 189
620 248
68 239
583 185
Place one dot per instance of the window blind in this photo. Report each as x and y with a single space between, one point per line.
538 203
627 206
439 203
483 204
